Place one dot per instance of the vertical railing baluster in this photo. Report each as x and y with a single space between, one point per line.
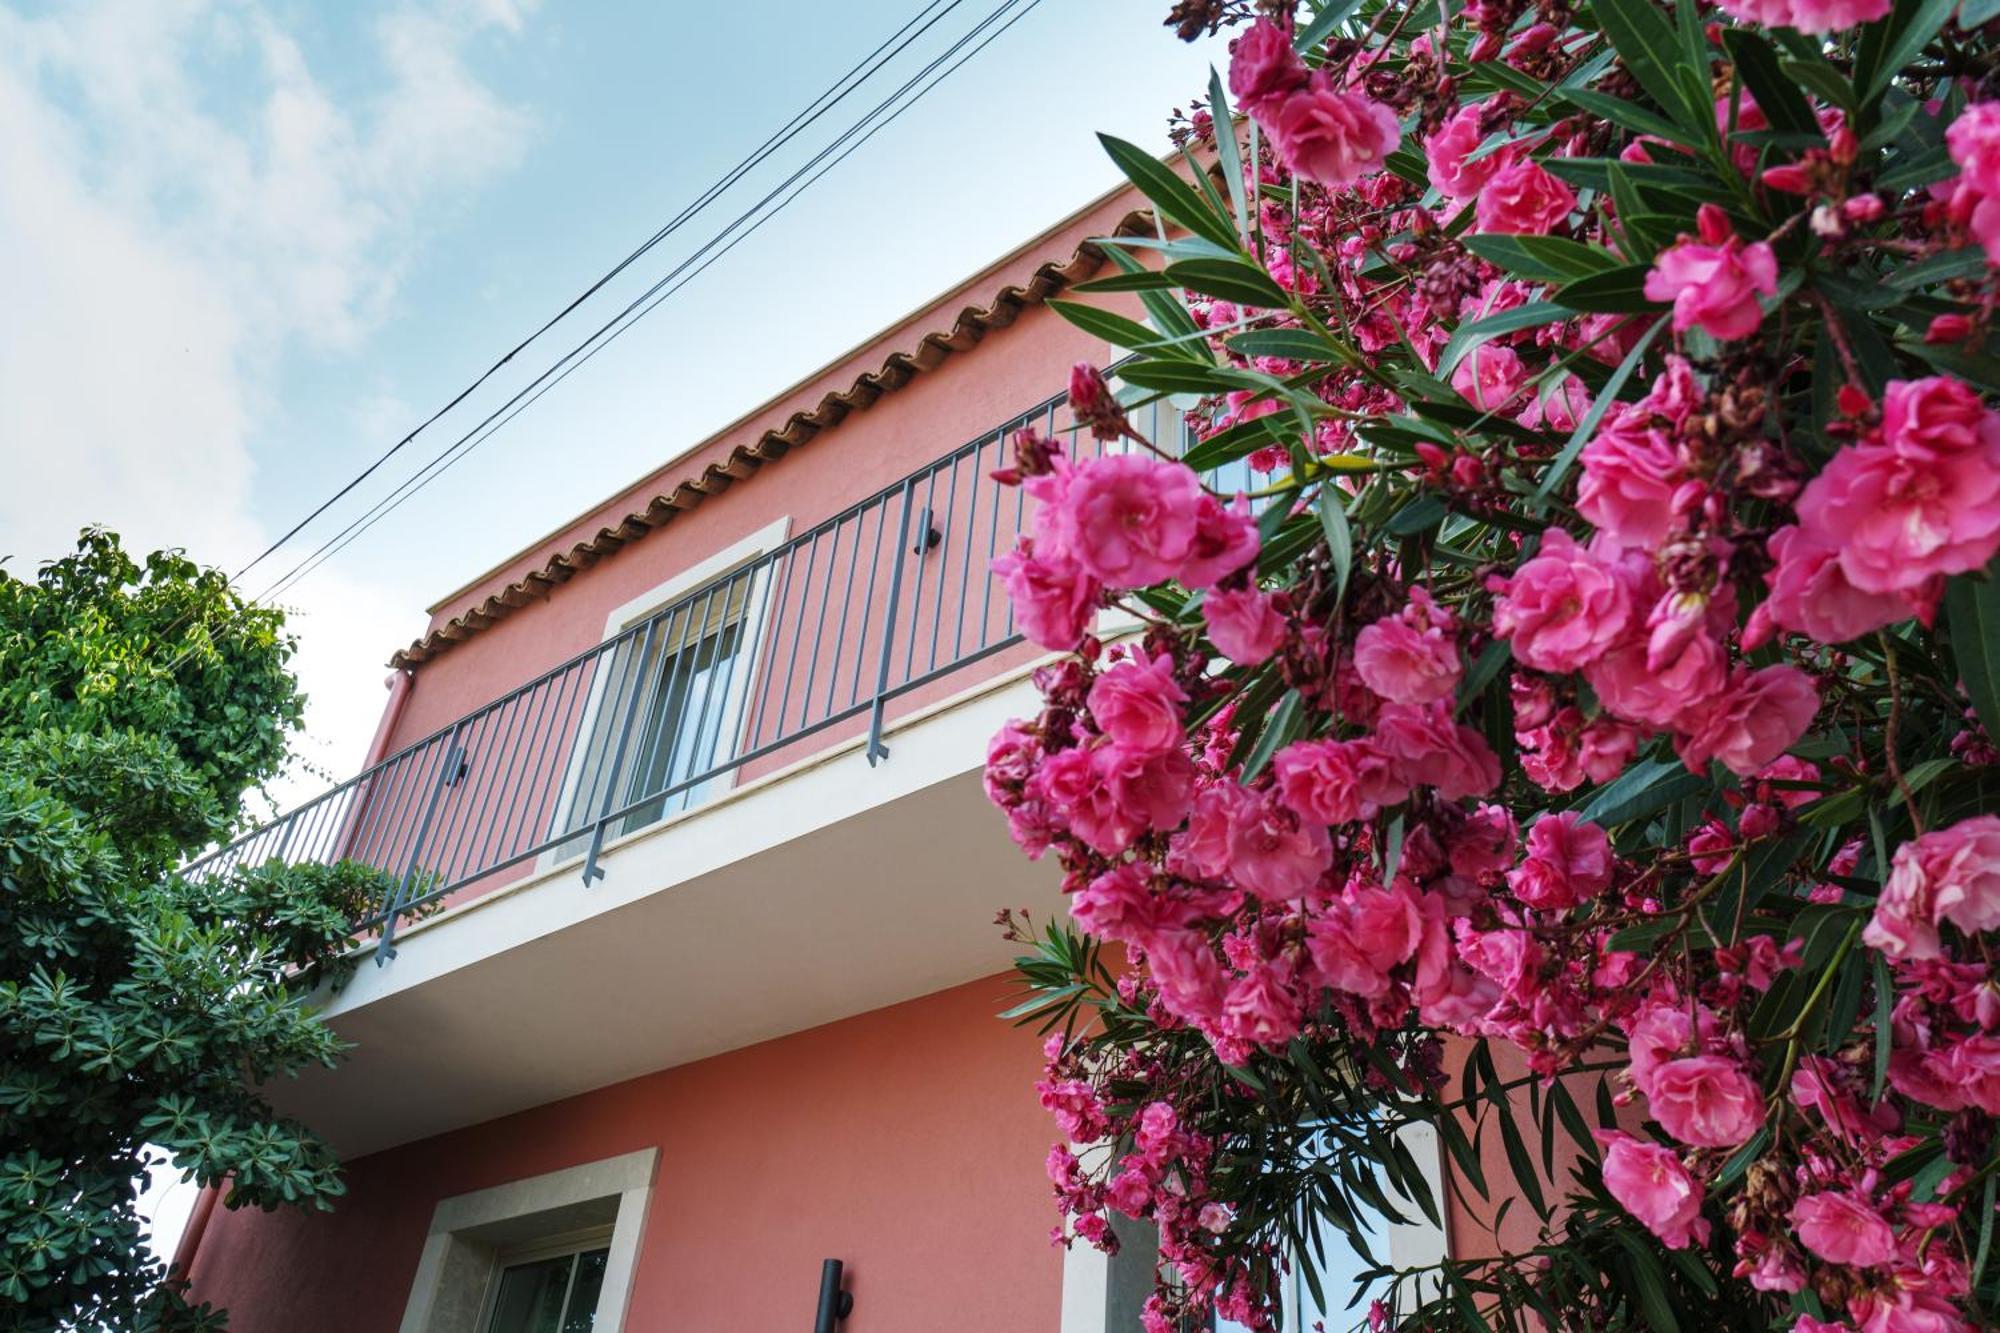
876 750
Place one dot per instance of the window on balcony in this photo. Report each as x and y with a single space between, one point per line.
664 717
694 675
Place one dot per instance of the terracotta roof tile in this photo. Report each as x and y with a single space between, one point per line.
964 333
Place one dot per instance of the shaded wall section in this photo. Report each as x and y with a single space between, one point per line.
906 1142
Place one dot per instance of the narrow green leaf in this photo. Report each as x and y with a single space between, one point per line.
1176 198
1617 291
1469 335
1116 329
1232 280
1339 540
1823 79
1291 344
1972 601
1777 96
1893 42
1162 307
1541 258
1625 115
1649 48
1280 730
1146 281
1226 150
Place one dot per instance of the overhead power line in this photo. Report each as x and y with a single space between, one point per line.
835 93
740 228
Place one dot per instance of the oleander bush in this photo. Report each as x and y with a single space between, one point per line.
1577 733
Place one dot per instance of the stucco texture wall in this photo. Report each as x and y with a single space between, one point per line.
906 1142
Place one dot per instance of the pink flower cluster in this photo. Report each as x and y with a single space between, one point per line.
1120 521
1288 796
1974 141
1320 131
1887 520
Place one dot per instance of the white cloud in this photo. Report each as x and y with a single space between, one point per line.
187 201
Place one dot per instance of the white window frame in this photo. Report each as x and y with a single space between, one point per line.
473 1236
693 579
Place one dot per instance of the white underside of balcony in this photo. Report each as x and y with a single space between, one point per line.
811 895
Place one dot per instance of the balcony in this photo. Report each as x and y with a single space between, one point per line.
775 775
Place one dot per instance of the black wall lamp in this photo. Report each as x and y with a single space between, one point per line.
833 1302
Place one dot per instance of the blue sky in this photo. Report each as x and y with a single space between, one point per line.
248 246
245 247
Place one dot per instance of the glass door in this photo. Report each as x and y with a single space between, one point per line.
552 1295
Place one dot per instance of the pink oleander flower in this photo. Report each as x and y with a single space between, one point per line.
1658 1034
1190 977
1950 874
1714 282
1244 624
1483 842
1650 1183
1119 905
1409 658
1900 519
1447 149
1273 853
1808 16
1137 703
1225 540
1907 1309
1936 417
1491 378
1757 717
1706 1101
1332 782
1130 520
1263 1007
1053 597
1432 750
1842 1229
1973 1066
1569 861
1330 136
1974 142
1366 934
1810 594
1631 471
1264 69
1523 198
1659 694
1562 609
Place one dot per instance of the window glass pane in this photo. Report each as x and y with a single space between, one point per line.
690 725
581 1316
531 1297
681 681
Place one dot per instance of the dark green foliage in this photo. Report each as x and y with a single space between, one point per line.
138 706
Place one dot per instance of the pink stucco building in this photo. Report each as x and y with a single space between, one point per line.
690 982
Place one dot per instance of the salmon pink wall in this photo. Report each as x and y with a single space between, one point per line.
906 1142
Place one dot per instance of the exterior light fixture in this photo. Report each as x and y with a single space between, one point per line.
833 1302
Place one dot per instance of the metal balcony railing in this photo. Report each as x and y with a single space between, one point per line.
879 600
